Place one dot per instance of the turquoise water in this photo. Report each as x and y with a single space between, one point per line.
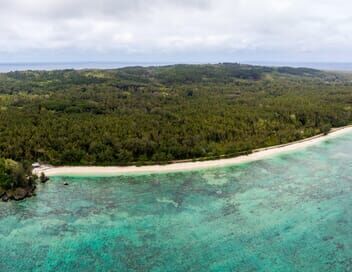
289 213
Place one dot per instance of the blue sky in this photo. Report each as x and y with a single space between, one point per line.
175 31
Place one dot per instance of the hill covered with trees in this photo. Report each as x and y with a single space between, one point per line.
160 114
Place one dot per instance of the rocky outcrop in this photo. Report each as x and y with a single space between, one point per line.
17 194
2 192
43 178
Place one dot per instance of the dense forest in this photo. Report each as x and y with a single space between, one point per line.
160 114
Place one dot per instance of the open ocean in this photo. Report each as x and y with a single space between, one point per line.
7 67
291 212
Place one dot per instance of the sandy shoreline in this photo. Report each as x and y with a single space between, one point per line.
187 166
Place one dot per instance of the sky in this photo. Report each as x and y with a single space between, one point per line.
176 30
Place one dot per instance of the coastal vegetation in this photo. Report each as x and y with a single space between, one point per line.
16 181
140 115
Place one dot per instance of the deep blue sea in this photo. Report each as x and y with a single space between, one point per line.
291 212
328 66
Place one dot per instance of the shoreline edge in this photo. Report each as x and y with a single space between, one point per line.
182 166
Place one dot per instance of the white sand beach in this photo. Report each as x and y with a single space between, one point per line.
258 154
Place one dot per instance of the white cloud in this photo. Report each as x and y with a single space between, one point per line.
255 29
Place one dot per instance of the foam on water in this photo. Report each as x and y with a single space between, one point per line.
289 213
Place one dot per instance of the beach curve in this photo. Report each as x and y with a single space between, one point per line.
257 154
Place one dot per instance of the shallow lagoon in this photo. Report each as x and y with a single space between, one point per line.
292 212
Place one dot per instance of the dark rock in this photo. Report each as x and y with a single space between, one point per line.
65 183
2 192
9 194
20 193
5 198
44 179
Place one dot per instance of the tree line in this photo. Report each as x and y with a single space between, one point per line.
160 114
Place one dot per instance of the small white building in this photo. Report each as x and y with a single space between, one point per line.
36 165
